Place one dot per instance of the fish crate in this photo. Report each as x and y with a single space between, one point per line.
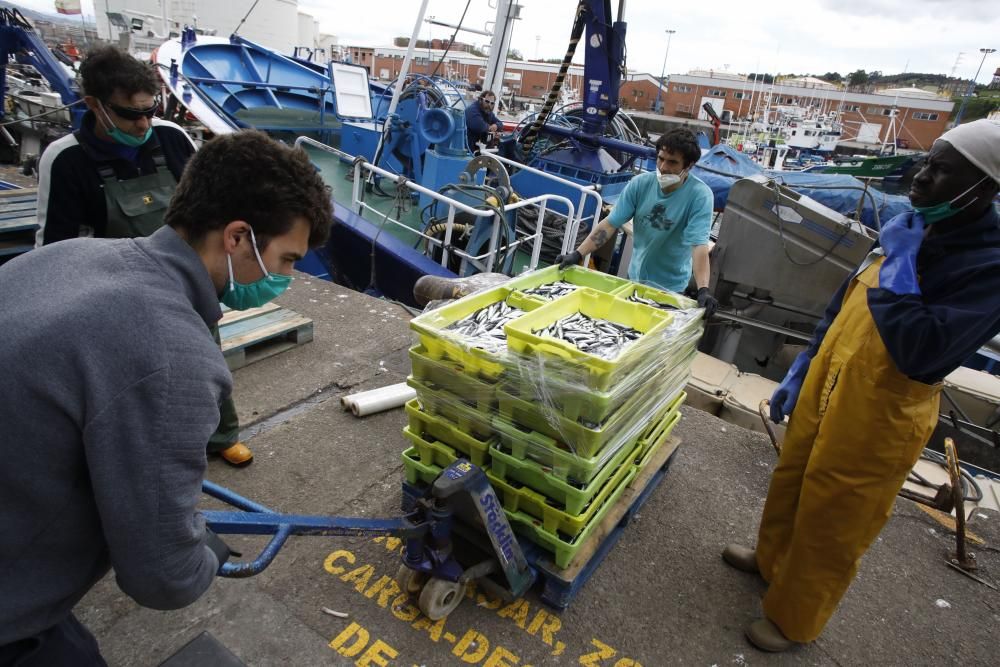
574 275
651 446
449 376
440 402
663 427
475 356
416 471
562 547
586 440
560 544
570 363
573 498
432 451
662 299
516 498
587 406
557 459
424 427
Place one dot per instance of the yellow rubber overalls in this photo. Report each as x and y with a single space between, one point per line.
858 428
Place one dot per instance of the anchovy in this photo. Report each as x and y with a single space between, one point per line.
485 327
553 290
650 302
602 338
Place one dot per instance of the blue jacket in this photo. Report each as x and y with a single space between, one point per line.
931 334
477 123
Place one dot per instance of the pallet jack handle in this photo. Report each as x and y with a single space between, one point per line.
256 519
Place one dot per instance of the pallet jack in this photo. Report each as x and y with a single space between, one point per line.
432 569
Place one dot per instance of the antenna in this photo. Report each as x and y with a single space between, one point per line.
954 68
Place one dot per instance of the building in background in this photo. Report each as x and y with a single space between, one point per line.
276 24
921 117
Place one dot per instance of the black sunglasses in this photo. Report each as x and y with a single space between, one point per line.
133 114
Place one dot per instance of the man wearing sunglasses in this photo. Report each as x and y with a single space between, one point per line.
480 121
114 177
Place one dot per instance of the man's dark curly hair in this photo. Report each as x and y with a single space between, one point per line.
107 68
248 176
680 140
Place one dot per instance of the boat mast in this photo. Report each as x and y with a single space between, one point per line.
496 63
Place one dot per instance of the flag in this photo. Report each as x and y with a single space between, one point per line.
68 7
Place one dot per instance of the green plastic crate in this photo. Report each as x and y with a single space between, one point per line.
430 427
516 498
449 376
417 472
581 440
439 343
658 295
571 363
565 548
435 452
662 427
534 475
589 407
442 403
555 458
577 275
648 450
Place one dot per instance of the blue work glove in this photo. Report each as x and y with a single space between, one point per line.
569 259
900 239
785 396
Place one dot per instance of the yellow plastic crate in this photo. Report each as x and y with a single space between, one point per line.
571 362
429 427
654 294
576 275
431 327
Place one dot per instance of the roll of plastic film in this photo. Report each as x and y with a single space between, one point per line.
378 400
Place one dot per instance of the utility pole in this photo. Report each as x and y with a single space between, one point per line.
659 87
972 86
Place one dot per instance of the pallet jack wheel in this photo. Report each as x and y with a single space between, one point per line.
440 597
410 581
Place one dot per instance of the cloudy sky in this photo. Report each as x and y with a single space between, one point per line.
801 36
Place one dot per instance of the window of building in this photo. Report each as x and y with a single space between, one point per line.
683 108
923 115
739 95
640 93
715 92
537 87
851 107
874 110
678 88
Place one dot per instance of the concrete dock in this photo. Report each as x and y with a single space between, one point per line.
662 597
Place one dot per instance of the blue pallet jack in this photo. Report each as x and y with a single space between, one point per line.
431 569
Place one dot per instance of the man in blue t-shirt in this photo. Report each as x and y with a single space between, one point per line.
671 212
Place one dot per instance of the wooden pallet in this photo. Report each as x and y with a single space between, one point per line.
255 334
560 585
18 221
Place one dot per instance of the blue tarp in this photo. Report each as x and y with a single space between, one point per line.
723 165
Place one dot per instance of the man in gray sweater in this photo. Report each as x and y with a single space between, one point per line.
103 431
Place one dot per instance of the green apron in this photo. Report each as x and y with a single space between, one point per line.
136 206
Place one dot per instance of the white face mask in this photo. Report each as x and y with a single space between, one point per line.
668 180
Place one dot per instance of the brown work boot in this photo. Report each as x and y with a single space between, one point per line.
237 454
741 558
767 636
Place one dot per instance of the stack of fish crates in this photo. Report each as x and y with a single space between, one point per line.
560 384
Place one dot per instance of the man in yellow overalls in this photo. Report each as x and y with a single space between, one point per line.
865 394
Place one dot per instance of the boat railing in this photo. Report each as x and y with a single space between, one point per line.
497 253
573 223
326 148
